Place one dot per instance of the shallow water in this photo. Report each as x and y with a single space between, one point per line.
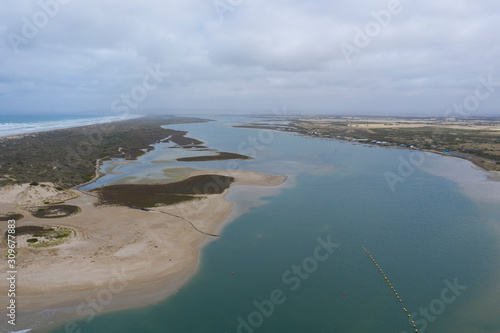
424 232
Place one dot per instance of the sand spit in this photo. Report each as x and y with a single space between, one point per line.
121 257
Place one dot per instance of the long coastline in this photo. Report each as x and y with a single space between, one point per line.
142 231
123 246
138 258
68 156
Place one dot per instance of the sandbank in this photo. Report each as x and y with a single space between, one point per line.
136 257
476 183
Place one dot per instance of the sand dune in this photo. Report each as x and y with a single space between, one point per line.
120 257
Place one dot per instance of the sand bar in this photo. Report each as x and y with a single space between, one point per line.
137 257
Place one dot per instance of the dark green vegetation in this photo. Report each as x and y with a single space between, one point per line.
219 157
11 216
145 196
55 211
474 142
36 231
68 157
180 139
43 236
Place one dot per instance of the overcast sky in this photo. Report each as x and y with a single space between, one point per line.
420 57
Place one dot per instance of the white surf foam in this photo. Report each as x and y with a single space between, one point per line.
32 127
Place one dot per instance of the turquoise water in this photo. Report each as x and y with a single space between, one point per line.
425 232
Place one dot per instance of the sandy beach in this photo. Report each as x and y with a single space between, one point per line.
118 258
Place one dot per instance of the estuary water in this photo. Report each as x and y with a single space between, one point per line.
296 263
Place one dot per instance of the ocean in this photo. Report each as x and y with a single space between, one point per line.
21 124
297 260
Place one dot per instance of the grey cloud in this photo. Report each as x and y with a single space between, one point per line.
263 55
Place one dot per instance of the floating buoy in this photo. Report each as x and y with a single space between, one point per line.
390 285
343 294
232 273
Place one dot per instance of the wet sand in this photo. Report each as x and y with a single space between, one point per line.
476 183
120 257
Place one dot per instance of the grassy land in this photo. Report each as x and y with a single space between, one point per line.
44 236
480 143
68 157
221 156
475 136
11 216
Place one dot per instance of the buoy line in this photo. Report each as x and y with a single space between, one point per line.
412 323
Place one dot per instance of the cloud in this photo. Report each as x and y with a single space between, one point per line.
74 56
